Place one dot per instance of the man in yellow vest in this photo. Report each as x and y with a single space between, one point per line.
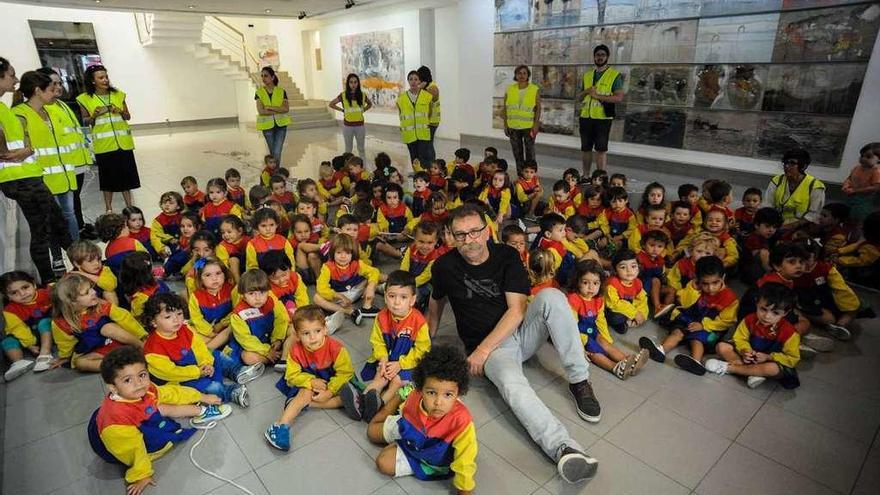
796 194
603 87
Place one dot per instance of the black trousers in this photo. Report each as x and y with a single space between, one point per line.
47 224
523 145
77 202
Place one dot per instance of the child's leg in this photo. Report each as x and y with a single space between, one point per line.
314 261
250 357
843 320
386 461
673 339
14 354
763 256
219 339
613 353
616 321
697 349
601 360
667 295
378 383
90 362
388 250
728 353
334 402
295 406
45 343
655 293
302 262
769 369
331 306
803 325
369 294
375 430
115 332
180 410
288 341
393 386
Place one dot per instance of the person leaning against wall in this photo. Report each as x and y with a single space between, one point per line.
104 108
354 104
272 112
521 114
603 87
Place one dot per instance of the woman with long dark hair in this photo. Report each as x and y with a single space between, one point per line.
354 104
104 108
272 112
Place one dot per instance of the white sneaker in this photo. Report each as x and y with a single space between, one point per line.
17 369
817 342
716 366
250 373
44 362
334 322
755 381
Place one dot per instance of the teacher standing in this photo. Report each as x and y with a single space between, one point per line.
104 108
414 108
354 104
603 88
272 112
522 116
429 85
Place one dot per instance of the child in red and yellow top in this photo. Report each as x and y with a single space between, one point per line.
393 215
309 209
684 270
654 218
218 206
113 230
617 221
86 259
716 224
233 244
560 200
626 303
266 239
27 313
234 191
515 237
278 187
679 225
528 189
824 297
497 195
137 282
165 228
419 258
654 195
552 237
343 281
259 321
211 301
744 216
270 168
193 198
542 271
652 271
134 220
329 183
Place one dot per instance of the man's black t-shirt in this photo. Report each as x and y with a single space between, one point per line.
476 292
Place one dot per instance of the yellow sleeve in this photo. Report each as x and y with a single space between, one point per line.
635 240
344 371
464 459
578 199
288 250
242 334
322 285
189 282
138 246
844 298
124 319
382 221
405 261
731 257
725 319
834 243
618 305
641 303
126 443
741 337
281 321
425 277
791 353
250 257
265 178
158 237
301 296
222 255
673 277
604 225
420 347
370 273
200 349
106 280
602 327
377 342
322 209
296 377
411 225
685 242
688 295
138 300
16 327
408 214
631 225
236 210
163 368
63 340
504 207
521 195
197 320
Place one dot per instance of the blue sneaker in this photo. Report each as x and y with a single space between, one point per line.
278 436
212 413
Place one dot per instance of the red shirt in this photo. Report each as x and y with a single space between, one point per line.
194 199
647 263
548 284
777 278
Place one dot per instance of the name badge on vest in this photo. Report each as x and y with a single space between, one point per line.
250 313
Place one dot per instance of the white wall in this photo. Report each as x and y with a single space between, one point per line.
162 83
446 71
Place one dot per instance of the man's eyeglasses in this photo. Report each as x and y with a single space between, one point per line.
473 234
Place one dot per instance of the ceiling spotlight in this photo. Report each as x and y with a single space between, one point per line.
302 15
97 1
190 7
268 11
349 4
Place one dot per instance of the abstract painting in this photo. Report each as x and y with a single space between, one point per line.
557 117
561 46
666 42
727 7
511 14
747 38
556 13
823 137
649 10
735 86
618 39
513 48
497 108
660 84
503 79
656 126
377 57
729 133
267 50
827 35
814 88
556 81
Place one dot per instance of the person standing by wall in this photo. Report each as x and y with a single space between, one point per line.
354 104
603 87
104 108
429 85
414 108
272 112
21 181
522 116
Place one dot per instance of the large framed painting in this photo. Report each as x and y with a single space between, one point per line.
377 57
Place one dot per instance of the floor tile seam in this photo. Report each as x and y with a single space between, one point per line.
813 421
795 470
865 460
386 484
300 447
490 449
6 449
237 445
624 418
764 404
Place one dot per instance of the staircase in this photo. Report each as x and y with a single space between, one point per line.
222 48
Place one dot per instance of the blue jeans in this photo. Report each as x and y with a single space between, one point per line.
275 141
224 367
65 201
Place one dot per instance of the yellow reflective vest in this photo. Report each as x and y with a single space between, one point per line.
435 106
276 99
353 112
59 177
414 119
13 133
110 132
520 106
592 108
798 202
70 136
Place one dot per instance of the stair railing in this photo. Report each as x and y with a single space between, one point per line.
143 21
230 41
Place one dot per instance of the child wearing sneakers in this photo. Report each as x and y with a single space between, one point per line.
589 310
175 354
652 271
626 303
617 221
824 297
27 312
765 345
707 310
344 279
113 229
259 321
318 367
430 434
133 426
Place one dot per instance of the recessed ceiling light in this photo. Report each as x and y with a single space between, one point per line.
97 1
268 11
190 7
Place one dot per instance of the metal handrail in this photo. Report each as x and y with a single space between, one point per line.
235 41
143 24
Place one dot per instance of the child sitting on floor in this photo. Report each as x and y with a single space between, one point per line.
134 220
211 302
86 259
27 312
864 254
626 303
542 271
165 228
617 221
259 321
755 260
419 258
137 283
515 237
560 201
829 228
529 190
234 191
266 239
193 198
685 269
344 279
824 297
652 272
113 230
744 216
233 244
218 206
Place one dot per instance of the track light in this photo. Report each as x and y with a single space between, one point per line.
302 15
349 4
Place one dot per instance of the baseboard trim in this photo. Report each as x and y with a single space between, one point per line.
151 126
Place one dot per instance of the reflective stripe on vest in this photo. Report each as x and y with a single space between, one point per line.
520 107
798 202
266 122
14 135
592 108
110 132
352 113
435 107
58 176
414 119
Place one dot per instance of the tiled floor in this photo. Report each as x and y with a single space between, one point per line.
662 432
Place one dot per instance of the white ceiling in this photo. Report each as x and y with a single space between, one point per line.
268 8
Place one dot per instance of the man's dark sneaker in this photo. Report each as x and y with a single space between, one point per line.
585 400
690 364
574 466
655 351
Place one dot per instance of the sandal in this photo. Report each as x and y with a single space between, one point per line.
619 370
639 361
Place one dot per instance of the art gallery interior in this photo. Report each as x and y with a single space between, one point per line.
714 89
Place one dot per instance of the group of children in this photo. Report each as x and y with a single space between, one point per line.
246 259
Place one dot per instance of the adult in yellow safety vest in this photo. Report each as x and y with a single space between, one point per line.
414 108
521 114
603 88
796 194
354 103
104 108
272 112
429 85
21 180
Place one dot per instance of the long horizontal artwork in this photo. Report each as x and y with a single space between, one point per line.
732 86
824 137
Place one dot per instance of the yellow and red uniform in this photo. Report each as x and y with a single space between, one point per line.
781 341
293 295
565 208
402 340
88 339
590 316
207 310
256 329
22 319
393 219
334 278
194 201
117 249
213 213
238 196
259 246
615 223
330 362
164 229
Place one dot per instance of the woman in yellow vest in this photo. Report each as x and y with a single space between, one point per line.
796 194
21 180
414 109
104 108
521 114
429 85
354 104
272 112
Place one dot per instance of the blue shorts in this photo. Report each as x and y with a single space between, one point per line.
706 337
592 346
